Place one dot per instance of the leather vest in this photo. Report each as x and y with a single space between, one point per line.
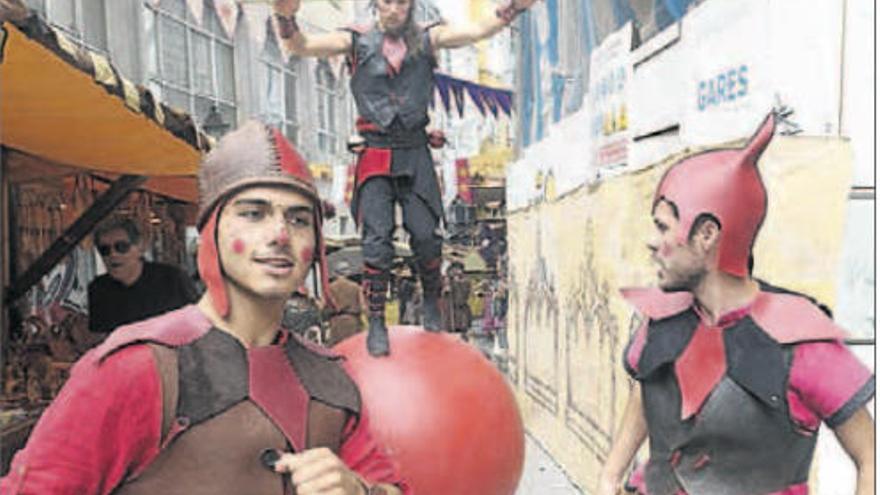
381 97
224 404
742 441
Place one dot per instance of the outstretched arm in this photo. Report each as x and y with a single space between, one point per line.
455 36
856 436
306 45
632 432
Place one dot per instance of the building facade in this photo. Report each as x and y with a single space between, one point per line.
606 91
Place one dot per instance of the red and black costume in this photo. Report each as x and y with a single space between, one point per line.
173 405
733 407
392 85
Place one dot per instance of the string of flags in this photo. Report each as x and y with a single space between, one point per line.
483 97
452 91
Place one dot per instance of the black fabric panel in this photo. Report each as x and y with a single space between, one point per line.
854 404
666 340
213 376
756 362
323 378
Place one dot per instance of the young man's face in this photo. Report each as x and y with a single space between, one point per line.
121 256
681 266
393 14
266 240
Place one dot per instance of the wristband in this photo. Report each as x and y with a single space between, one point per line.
287 26
508 12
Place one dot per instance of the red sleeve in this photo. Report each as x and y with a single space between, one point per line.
363 455
104 425
827 383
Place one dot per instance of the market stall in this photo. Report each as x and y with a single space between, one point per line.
79 141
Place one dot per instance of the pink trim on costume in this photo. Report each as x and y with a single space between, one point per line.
825 376
638 344
790 318
656 304
286 405
175 328
802 415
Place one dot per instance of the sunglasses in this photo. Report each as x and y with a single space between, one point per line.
120 247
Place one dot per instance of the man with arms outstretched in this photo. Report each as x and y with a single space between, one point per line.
392 78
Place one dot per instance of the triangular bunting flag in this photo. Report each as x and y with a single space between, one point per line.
197 9
227 12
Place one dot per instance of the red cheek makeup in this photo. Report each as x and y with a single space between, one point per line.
238 246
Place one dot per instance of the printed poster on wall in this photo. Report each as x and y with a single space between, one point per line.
610 77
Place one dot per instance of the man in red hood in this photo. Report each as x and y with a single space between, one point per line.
733 376
217 397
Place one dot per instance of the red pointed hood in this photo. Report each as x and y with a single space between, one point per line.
727 185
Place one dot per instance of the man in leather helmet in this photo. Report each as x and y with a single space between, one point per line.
217 397
733 376
392 65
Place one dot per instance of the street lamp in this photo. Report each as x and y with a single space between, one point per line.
214 124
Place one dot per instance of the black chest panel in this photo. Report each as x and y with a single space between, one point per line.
742 441
382 97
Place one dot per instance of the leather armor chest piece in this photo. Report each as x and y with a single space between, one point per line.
381 97
735 445
225 427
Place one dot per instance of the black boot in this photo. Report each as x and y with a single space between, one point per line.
431 317
377 337
375 289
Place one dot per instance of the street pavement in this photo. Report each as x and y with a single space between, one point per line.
541 474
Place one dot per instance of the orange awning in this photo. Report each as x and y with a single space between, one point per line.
71 107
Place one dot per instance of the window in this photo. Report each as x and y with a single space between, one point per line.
278 98
84 21
190 64
327 95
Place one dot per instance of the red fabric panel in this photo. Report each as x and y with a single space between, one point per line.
103 425
367 458
175 328
209 265
699 368
286 406
824 377
656 304
373 162
790 318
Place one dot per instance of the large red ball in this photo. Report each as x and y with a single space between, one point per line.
443 411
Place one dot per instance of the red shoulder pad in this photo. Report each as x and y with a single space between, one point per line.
173 329
317 349
656 304
790 318
357 28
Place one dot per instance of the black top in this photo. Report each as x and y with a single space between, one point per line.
160 288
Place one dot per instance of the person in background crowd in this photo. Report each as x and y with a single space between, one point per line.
132 289
344 319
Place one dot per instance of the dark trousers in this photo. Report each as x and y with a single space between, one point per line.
376 200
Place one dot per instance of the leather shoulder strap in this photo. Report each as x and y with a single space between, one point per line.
166 365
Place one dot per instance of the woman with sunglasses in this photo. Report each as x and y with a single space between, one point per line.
132 289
